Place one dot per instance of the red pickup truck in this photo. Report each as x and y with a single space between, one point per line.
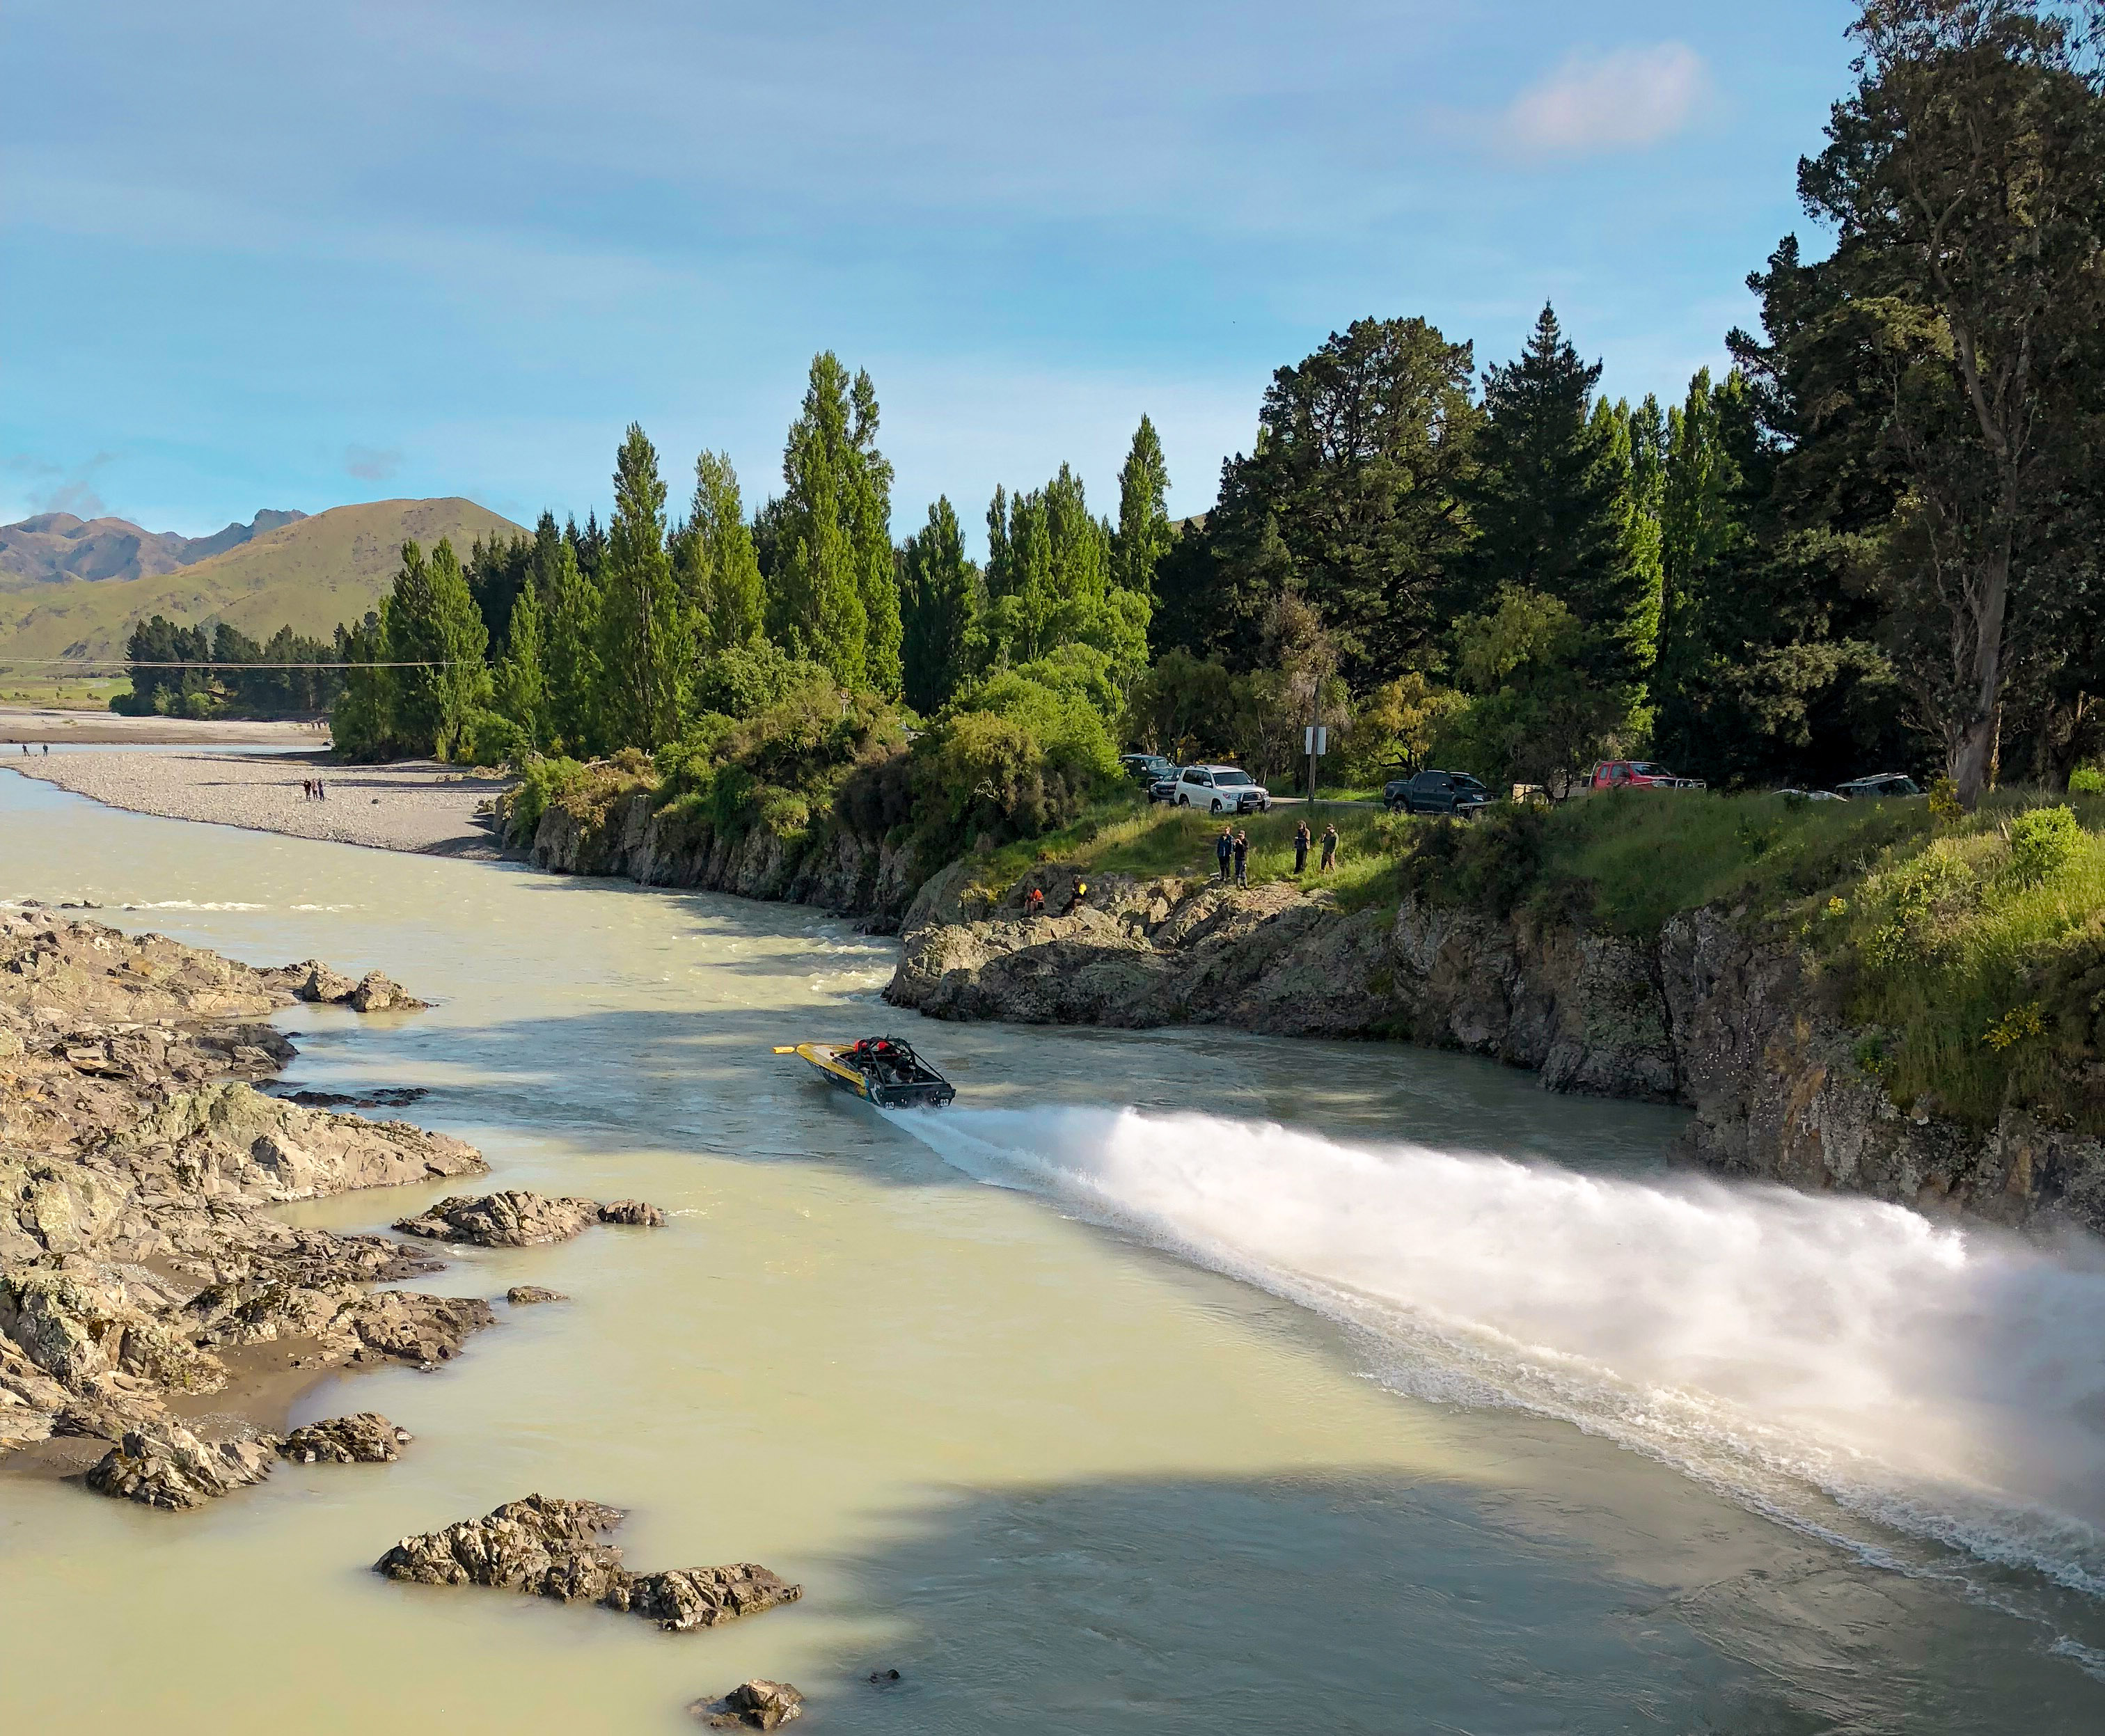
1638 774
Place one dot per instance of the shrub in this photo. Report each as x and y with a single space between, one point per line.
747 679
1927 901
2086 780
490 738
541 781
2042 843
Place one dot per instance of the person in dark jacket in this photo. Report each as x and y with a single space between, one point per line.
1242 858
1224 847
1329 848
1075 903
1301 846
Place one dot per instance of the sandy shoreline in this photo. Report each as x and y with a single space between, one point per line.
38 723
419 806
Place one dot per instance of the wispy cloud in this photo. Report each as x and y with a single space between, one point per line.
57 488
1623 100
372 463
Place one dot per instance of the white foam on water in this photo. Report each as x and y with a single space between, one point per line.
1930 1397
189 903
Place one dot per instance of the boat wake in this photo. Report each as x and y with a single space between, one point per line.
1932 1398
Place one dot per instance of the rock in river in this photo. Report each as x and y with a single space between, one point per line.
523 1295
365 1439
546 1546
518 1218
757 1705
168 1466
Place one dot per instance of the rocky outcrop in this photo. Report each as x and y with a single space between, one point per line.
526 1296
518 1218
829 865
366 1438
1709 1013
138 1165
755 1705
166 1465
315 982
549 1547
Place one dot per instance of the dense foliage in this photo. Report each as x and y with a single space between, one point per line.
218 670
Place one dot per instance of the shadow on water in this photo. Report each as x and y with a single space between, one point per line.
1376 1603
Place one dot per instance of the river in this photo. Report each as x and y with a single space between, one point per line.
1187 1381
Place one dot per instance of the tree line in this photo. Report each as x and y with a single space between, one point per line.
1865 546
271 689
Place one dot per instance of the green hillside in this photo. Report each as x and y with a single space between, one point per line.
330 567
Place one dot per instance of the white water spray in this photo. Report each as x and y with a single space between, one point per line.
1829 1361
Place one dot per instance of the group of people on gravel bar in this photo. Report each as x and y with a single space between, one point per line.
1232 850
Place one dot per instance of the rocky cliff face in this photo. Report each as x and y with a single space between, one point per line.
831 866
1705 1014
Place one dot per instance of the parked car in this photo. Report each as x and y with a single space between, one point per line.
1639 775
1222 789
1165 788
1455 793
1811 795
1885 783
1145 767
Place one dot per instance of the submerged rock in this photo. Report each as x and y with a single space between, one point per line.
524 1296
169 1468
366 1438
632 1211
547 1547
757 1705
519 1218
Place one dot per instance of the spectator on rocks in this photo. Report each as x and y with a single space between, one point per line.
1329 848
1034 902
1301 847
1242 858
1075 903
1224 847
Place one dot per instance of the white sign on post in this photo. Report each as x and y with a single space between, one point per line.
1316 739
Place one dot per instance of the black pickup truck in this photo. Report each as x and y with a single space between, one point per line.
1455 793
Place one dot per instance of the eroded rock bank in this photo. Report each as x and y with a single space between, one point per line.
139 1265
832 866
1709 1013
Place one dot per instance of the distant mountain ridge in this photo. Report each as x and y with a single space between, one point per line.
55 548
308 573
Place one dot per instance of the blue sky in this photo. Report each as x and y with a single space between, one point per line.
269 256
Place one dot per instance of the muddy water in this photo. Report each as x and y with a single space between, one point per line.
1082 1419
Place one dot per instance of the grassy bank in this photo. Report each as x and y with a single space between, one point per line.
1969 949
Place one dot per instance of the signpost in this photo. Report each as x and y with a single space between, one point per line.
1316 742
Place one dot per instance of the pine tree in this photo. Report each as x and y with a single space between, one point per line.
723 577
1545 500
940 600
1144 530
643 637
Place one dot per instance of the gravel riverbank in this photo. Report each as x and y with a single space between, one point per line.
418 806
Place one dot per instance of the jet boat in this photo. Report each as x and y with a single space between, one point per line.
879 1069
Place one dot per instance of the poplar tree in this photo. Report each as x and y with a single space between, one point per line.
431 621
643 635
723 574
572 657
522 675
1144 530
836 600
939 602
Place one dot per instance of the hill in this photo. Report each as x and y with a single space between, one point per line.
312 573
58 548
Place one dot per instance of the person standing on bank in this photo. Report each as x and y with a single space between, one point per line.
1329 848
1224 846
1300 847
1242 858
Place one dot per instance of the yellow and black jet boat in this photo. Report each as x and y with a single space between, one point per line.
879 1069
